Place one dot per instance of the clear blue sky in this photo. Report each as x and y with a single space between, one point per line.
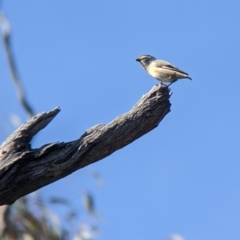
184 176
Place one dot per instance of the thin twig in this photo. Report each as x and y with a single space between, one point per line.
12 65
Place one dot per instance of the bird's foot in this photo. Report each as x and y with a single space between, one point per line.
163 84
171 83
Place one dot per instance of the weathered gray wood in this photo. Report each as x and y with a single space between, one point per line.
24 170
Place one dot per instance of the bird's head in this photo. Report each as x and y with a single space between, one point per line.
145 60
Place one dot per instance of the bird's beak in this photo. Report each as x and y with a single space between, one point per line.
138 60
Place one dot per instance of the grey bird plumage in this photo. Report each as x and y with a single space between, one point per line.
161 70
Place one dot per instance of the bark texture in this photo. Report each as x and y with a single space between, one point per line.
24 170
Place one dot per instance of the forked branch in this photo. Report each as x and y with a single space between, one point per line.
24 170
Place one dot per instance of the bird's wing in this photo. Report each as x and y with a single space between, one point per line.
167 65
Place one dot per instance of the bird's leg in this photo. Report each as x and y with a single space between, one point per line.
163 84
172 83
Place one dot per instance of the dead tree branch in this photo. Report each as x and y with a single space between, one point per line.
24 170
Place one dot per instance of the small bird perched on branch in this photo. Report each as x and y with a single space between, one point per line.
161 70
